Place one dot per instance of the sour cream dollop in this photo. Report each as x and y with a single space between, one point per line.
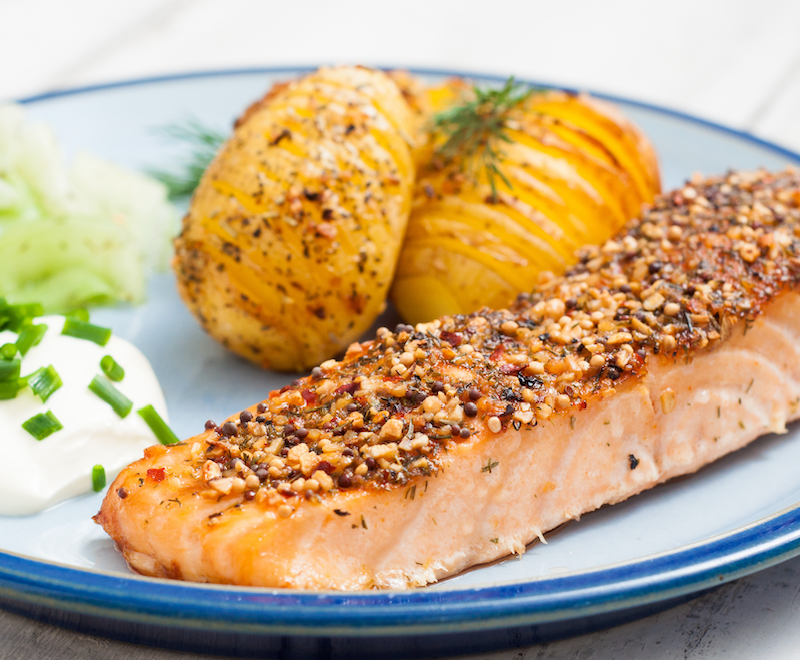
41 473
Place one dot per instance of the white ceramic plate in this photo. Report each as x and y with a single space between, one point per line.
669 542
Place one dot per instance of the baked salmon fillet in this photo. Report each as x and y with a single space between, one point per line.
437 447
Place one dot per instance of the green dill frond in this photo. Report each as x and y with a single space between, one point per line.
476 128
203 143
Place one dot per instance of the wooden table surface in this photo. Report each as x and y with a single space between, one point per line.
729 61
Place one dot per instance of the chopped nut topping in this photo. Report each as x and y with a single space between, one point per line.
223 484
392 430
386 413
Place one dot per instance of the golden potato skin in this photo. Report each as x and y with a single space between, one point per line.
578 171
292 237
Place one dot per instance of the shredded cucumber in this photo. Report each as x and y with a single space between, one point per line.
72 237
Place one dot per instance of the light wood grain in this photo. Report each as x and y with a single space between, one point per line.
45 42
779 118
719 59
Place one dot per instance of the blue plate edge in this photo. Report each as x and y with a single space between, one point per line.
131 82
177 604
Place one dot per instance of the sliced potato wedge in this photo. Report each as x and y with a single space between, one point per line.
292 237
573 172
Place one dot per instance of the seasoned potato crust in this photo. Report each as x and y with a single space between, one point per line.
292 237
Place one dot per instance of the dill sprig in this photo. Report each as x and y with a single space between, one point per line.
476 128
204 142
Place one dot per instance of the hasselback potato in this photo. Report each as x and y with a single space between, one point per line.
510 184
292 237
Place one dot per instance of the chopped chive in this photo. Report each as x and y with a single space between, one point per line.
80 314
42 425
103 388
74 327
44 381
14 317
9 370
30 336
9 389
8 351
111 368
98 478
158 426
27 310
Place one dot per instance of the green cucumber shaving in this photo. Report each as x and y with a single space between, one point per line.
73 237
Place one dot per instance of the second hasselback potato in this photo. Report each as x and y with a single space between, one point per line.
510 184
291 240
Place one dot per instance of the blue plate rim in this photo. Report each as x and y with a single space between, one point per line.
291 612
261 611
146 80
